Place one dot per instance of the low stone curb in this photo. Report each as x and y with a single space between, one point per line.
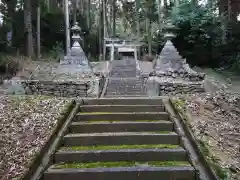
199 162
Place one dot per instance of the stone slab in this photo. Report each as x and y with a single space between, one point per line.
123 173
138 155
122 108
127 116
80 127
124 101
127 138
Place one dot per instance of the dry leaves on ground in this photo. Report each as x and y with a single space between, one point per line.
215 120
26 123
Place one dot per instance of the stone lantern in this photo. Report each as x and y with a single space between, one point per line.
76 47
170 31
76 56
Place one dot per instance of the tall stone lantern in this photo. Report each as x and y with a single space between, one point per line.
76 47
77 55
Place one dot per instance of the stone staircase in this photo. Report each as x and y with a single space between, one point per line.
124 79
125 87
124 68
121 139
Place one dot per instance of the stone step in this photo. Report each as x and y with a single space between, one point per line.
124 86
128 87
119 138
124 101
122 108
134 88
126 91
81 127
116 84
139 155
125 94
126 116
122 173
120 95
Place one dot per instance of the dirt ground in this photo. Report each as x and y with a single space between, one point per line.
26 123
214 120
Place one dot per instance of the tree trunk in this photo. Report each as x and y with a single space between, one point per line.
165 8
194 3
159 2
149 36
223 11
235 5
113 18
38 32
104 29
138 25
101 29
74 11
67 27
229 10
89 13
53 5
28 27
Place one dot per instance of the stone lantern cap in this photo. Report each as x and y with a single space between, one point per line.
169 31
76 27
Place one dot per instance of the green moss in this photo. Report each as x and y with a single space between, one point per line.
222 173
122 164
112 121
98 112
144 146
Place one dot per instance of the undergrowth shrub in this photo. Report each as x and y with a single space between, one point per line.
9 65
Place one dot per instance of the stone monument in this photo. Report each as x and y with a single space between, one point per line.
76 67
170 63
76 58
171 72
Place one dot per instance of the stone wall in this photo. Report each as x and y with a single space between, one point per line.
55 88
182 74
171 88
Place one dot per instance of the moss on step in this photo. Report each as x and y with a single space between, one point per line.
144 146
98 112
112 121
122 164
102 112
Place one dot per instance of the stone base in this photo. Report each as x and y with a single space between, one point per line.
63 88
169 86
77 60
184 75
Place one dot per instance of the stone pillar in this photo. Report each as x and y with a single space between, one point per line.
135 53
112 52
153 88
67 27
